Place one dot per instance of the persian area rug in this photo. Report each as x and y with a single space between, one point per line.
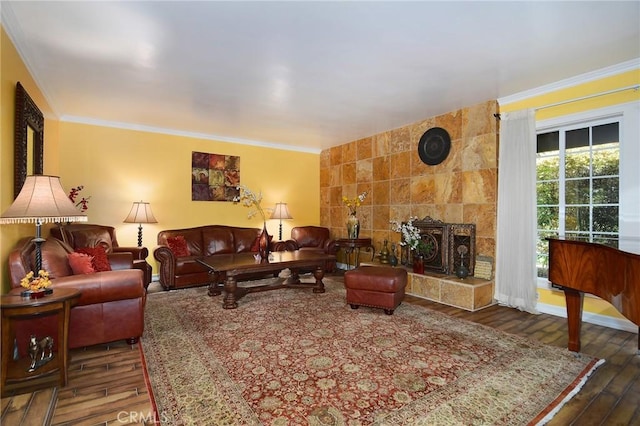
292 357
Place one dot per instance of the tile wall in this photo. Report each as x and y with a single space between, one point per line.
461 189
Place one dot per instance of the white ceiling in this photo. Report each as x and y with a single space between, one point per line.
308 75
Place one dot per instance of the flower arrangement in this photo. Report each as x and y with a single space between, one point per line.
248 198
353 203
83 204
411 235
36 283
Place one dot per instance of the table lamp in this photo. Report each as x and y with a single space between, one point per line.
41 200
281 212
140 213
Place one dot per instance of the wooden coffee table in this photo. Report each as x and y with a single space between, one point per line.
230 267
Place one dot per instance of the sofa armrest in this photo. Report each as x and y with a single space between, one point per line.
139 253
103 287
330 247
120 261
288 245
166 266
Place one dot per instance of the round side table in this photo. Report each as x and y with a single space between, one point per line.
14 306
352 246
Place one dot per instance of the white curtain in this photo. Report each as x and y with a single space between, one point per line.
516 227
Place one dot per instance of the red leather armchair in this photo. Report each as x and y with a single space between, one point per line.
315 238
111 304
79 235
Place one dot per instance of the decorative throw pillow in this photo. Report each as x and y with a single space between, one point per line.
81 263
178 245
100 260
255 247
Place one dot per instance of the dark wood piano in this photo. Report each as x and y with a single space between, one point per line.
579 267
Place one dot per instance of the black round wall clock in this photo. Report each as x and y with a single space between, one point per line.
434 146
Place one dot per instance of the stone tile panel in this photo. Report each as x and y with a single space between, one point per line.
451 122
480 153
399 191
349 173
364 148
336 155
381 168
381 145
364 170
380 195
400 165
422 189
349 152
479 119
479 187
456 295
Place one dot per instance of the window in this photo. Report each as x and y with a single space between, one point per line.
588 179
577 181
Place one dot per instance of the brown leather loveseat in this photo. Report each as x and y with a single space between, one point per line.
178 250
110 308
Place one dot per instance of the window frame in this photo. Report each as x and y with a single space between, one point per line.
628 115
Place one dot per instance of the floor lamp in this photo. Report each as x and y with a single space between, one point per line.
41 200
140 213
281 212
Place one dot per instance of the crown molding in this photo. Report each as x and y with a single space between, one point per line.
573 81
206 136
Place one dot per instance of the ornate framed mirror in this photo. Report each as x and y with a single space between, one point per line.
28 139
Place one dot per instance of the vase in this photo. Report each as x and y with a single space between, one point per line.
384 252
404 255
353 226
393 259
263 243
462 271
418 264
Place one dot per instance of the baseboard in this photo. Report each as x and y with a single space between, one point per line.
603 320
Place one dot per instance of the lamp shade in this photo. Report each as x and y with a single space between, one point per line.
42 200
140 213
281 212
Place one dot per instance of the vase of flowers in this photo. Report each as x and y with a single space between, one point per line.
36 286
414 244
353 224
250 199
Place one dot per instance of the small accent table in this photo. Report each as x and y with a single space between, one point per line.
14 306
352 246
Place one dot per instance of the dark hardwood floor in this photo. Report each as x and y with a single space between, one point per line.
107 387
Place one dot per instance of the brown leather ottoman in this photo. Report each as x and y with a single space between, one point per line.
376 287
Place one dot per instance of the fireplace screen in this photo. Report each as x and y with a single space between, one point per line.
453 243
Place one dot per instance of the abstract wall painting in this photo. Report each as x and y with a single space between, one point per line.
214 177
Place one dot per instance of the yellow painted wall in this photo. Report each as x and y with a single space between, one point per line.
119 166
629 78
13 70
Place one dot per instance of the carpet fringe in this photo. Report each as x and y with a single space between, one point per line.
147 382
575 388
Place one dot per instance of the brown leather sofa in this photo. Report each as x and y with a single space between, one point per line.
80 235
110 308
184 271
